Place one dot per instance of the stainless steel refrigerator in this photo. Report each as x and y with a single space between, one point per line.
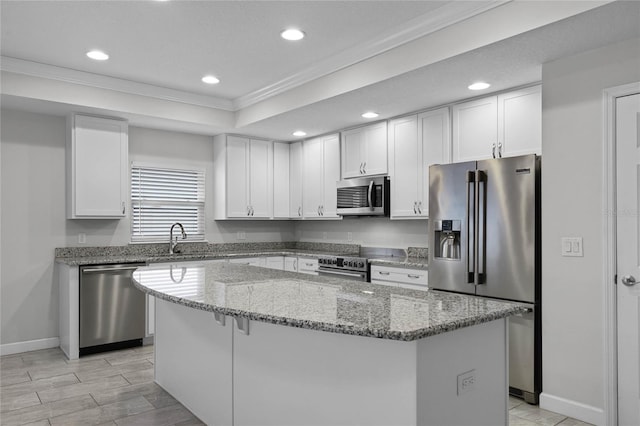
484 239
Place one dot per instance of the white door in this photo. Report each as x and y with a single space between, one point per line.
435 138
312 177
352 156
237 181
375 160
331 173
261 183
281 167
628 257
295 180
475 129
520 122
406 180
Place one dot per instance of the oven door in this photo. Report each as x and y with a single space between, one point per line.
339 273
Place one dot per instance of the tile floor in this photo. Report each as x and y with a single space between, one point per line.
116 388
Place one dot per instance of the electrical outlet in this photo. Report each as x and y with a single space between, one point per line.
349 236
466 381
82 238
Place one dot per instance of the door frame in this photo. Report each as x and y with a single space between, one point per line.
610 343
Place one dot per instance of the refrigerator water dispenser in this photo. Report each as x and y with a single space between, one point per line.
447 239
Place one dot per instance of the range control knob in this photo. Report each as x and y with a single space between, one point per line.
361 264
334 261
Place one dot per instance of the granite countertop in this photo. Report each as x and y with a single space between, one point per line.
403 262
318 303
157 253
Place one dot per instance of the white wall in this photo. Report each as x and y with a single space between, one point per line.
572 288
366 231
33 219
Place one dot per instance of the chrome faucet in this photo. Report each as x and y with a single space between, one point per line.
172 243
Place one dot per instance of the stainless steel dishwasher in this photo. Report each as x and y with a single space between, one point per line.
112 310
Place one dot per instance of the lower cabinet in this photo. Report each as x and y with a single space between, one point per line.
253 261
275 262
415 279
151 316
291 263
308 265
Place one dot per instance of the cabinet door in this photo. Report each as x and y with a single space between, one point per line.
295 180
261 180
291 264
331 160
98 184
435 136
375 147
406 178
281 177
275 262
520 122
312 181
475 129
237 176
352 155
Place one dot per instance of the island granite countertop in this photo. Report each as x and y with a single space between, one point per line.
318 303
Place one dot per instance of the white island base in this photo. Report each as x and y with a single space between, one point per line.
279 375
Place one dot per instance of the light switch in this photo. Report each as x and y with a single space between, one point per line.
572 246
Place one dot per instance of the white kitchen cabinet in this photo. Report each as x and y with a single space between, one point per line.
321 171
243 181
295 180
364 151
308 265
97 167
415 143
252 261
505 125
275 262
291 263
416 279
281 180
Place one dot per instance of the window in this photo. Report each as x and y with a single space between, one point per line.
160 197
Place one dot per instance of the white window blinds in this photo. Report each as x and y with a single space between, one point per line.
160 197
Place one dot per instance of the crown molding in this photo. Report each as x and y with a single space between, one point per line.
448 14
51 72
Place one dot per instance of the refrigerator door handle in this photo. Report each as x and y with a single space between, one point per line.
481 226
471 219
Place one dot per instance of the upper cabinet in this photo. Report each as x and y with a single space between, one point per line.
506 125
295 180
97 167
321 165
364 151
243 181
281 178
415 143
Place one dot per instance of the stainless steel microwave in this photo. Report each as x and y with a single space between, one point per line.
364 196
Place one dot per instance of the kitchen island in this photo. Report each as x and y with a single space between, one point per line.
244 345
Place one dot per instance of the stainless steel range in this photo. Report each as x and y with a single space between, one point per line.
354 268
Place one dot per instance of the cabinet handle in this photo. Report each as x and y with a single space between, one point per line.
295 264
413 276
415 207
252 211
123 207
322 210
299 210
500 150
248 211
360 168
420 207
493 150
364 168
318 210
309 264
383 273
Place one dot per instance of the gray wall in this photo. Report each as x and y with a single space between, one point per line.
572 288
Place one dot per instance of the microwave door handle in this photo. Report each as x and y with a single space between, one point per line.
471 178
370 195
481 227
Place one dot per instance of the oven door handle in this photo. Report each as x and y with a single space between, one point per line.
342 273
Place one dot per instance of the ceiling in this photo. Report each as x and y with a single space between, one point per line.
270 87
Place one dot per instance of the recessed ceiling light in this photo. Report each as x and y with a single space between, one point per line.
299 133
292 34
370 114
209 79
480 85
98 55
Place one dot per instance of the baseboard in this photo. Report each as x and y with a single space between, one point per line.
30 345
574 409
